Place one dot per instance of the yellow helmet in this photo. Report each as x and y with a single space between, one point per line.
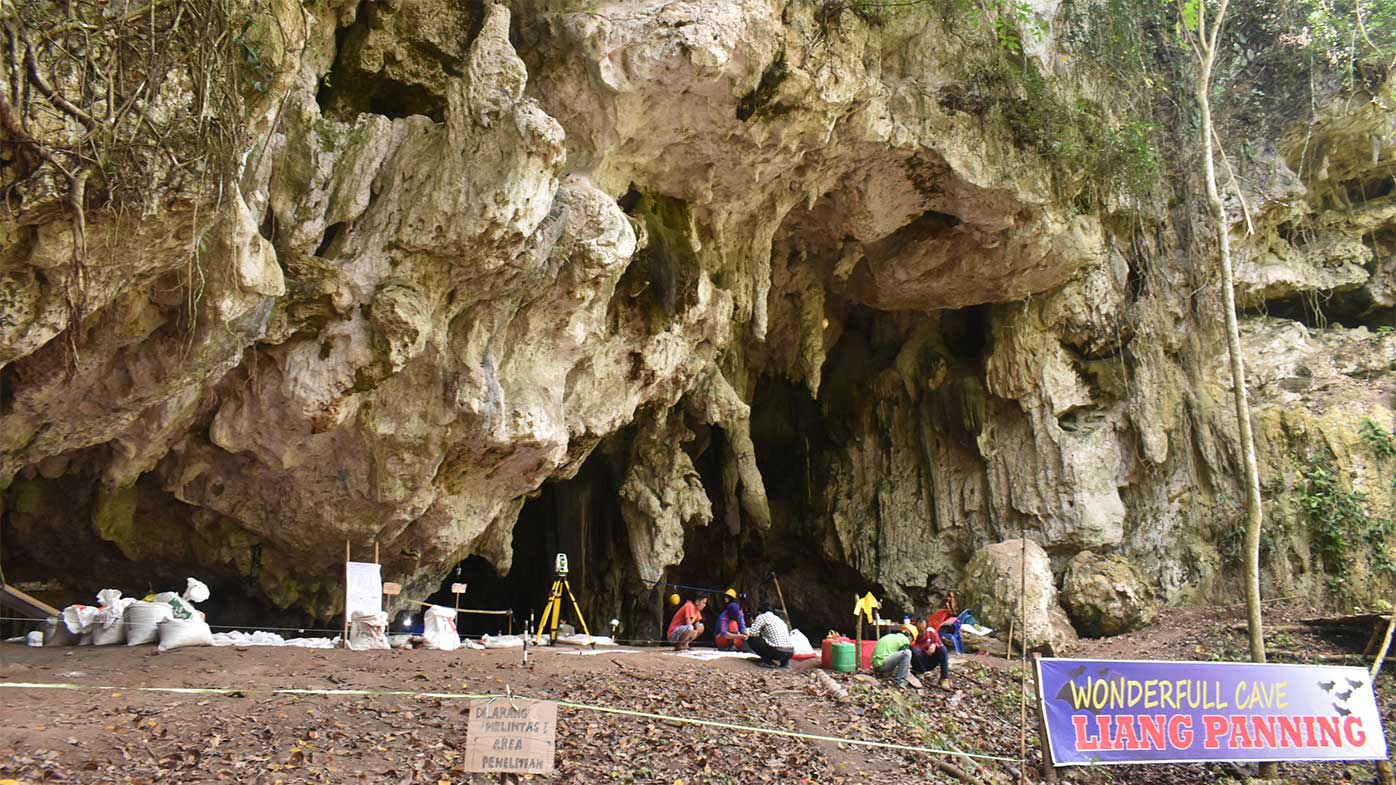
674 599
730 593
910 631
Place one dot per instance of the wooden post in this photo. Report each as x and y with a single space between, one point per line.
858 650
780 596
1384 773
375 551
659 595
344 641
1049 772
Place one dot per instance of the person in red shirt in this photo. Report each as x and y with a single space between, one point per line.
687 623
928 652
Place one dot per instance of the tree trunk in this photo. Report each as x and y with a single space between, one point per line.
1207 47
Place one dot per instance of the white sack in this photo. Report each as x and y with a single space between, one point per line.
196 592
79 618
580 639
469 644
368 631
439 629
110 628
261 638
801 643
178 633
502 641
56 633
142 619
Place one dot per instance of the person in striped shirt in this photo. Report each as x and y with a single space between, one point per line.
769 637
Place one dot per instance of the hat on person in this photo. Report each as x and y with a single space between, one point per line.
732 593
911 631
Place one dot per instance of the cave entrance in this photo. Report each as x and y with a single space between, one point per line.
579 517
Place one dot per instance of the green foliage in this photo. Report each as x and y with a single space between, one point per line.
1345 32
1093 153
1378 438
1342 532
1006 18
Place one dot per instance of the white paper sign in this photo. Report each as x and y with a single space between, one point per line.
363 588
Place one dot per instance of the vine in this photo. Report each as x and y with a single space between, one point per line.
113 112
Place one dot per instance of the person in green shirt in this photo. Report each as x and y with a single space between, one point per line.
892 656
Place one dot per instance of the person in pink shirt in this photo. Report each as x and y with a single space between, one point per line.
687 623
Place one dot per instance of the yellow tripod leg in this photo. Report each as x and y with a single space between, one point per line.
578 609
557 609
552 608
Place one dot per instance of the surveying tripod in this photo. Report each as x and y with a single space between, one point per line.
553 609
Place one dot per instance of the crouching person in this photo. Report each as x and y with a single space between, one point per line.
928 653
731 625
891 657
769 638
687 623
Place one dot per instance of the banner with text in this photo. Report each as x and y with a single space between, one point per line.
1131 711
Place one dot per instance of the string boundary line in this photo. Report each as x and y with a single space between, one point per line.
485 696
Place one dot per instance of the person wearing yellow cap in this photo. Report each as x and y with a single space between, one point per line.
891 656
731 624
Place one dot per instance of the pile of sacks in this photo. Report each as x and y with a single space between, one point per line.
169 619
368 631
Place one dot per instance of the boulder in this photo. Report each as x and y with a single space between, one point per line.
994 581
1105 594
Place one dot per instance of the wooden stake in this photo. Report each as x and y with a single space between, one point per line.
375 551
1384 772
1049 772
344 641
858 652
781 597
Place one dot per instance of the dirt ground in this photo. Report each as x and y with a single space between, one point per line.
121 734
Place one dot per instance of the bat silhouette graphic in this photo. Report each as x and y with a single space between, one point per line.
1341 710
1327 686
1354 684
1065 693
1343 696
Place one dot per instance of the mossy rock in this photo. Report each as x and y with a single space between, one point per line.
1106 595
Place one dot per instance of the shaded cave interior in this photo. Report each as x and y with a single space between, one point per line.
798 441
796 438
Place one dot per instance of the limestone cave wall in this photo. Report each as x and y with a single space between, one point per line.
701 290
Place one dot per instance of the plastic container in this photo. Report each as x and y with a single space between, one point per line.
842 655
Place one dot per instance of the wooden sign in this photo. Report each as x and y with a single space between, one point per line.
518 737
392 589
458 588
